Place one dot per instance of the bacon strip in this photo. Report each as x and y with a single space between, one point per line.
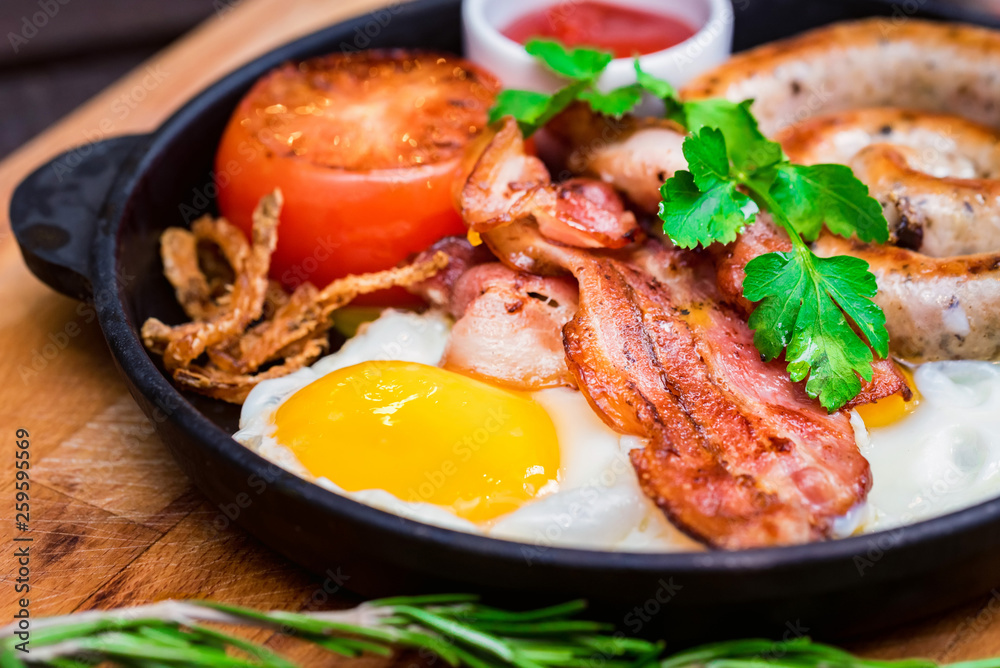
584 213
504 185
763 237
462 256
509 327
633 154
738 455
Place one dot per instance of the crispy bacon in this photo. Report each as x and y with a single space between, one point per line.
633 154
763 237
462 256
505 185
737 455
584 213
509 327
497 190
509 322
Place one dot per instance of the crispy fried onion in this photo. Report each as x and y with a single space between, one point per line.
241 325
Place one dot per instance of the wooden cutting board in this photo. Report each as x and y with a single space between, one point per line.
114 520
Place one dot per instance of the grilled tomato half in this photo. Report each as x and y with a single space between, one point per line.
365 147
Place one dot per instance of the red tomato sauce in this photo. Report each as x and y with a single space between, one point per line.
623 30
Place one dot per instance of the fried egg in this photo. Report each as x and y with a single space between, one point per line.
937 453
378 421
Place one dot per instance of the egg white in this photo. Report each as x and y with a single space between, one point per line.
597 502
942 457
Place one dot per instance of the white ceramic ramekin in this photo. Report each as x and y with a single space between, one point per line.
482 21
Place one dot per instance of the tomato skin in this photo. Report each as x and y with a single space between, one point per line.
335 221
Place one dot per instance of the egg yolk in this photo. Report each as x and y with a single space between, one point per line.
891 409
423 434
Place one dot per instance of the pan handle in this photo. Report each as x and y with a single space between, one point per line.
55 211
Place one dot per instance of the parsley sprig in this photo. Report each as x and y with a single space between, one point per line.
582 67
817 311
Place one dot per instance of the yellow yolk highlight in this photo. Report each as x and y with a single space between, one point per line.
423 434
891 409
698 318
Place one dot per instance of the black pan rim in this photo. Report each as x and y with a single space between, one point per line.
133 360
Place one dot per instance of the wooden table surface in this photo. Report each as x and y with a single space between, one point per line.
85 47
114 520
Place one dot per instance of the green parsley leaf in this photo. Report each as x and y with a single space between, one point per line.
532 110
703 206
525 105
622 100
851 285
828 194
707 157
580 64
808 306
658 88
617 102
692 217
749 149
803 300
653 85
561 99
